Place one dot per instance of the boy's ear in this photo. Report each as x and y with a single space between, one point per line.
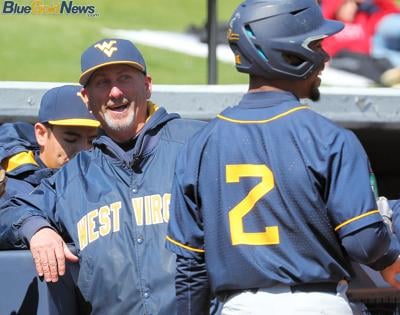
41 133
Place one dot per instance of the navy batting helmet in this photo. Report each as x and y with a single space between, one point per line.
271 38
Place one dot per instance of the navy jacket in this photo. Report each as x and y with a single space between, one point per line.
19 155
114 206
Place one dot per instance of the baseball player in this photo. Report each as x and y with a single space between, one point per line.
111 202
30 153
271 200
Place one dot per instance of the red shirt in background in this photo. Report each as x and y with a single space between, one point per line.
356 35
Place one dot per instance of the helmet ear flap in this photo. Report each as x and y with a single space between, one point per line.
270 38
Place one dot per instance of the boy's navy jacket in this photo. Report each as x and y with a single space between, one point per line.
19 155
113 205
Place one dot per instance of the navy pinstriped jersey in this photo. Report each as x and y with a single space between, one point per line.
266 191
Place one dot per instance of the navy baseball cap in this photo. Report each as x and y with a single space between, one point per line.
110 51
64 106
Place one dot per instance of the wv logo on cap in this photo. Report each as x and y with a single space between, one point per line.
107 48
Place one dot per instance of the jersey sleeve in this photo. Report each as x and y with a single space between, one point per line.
373 246
350 199
185 235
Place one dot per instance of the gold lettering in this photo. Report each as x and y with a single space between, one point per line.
93 234
88 229
36 7
147 209
55 9
156 207
82 233
104 220
115 207
166 202
39 8
137 204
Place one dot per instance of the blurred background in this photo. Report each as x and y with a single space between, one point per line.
48 47
172 36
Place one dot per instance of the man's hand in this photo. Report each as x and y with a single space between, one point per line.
3 180
49 254
391 272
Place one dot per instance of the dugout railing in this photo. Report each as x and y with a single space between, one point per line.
373 114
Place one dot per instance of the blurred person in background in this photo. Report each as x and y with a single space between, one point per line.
370 39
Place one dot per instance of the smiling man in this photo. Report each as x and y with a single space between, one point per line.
111 202
119 110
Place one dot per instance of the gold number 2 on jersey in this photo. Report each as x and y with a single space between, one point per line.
233 175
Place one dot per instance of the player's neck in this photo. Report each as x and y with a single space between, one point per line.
260 84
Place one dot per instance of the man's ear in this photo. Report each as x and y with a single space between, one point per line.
41 133
149 86
84 95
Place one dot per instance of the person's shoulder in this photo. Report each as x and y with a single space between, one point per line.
186 123
179 130
339 136
318 120
75 170
16 138
18 130
325 131
327 126
86 157
80 163
16 186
